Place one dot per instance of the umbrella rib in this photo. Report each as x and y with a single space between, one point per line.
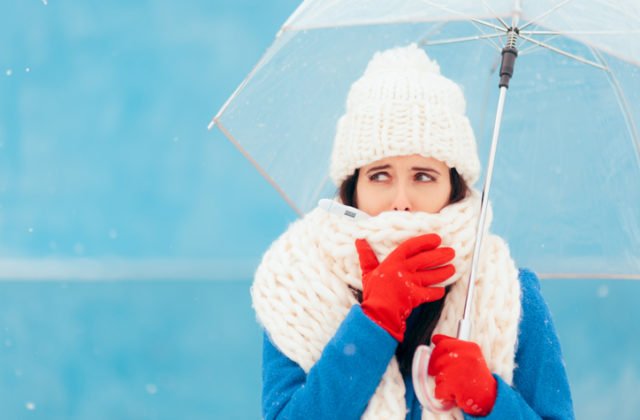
544 15
490 25
522 44
264 59
622 101
565 53
294 16
534 46
634 31
495 14
320 187
474 22
461 39
215 119
480 21
433 29
489 40
343 24
258 167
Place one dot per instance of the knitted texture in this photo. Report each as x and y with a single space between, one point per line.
301 290
402 105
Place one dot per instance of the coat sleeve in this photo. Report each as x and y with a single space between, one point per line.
540 385
342 381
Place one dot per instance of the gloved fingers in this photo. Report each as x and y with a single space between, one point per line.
433 276
441 360
467 350
430 259
470 349
436 339
444 392
436 353
422 295
415 245
366 255
451 353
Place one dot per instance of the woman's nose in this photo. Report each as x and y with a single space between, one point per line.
401 201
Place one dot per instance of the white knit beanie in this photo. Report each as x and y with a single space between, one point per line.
402 105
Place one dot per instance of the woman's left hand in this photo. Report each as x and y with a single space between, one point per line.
462 375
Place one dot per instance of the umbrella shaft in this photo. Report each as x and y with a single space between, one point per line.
464 326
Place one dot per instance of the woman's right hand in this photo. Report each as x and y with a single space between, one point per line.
404 280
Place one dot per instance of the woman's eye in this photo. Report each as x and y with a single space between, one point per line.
379 176
424 177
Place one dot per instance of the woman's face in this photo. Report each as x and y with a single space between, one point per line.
409 183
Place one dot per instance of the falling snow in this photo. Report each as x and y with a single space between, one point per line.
603 291
350 349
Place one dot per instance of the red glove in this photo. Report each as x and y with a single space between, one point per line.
391 289
462 375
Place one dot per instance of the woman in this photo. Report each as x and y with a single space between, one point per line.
345 303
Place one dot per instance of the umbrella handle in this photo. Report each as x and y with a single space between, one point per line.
422 354
419 374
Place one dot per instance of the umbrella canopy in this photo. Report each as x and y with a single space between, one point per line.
566 186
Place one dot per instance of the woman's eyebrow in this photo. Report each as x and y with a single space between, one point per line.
417 168
377 168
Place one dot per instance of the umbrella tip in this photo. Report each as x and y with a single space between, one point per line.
211 124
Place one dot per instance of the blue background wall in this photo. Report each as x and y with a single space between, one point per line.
129 233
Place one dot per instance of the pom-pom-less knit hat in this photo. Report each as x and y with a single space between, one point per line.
402 105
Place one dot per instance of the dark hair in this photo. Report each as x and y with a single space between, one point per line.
425 317
348 196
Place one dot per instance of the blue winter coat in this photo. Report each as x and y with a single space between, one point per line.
343 380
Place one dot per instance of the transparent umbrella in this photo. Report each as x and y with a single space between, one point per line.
565 184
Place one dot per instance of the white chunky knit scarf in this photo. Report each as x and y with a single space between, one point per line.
301 290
